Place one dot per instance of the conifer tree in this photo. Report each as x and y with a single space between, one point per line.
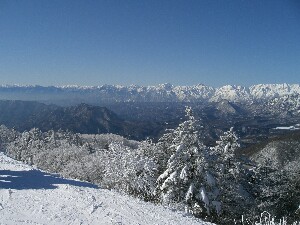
187 181
235 189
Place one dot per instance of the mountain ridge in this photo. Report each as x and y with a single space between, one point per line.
159 93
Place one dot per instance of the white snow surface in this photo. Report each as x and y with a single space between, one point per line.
287 128
31 196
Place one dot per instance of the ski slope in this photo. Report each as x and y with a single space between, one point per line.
30 196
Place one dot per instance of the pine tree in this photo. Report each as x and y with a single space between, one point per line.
163 151
233 177
187 181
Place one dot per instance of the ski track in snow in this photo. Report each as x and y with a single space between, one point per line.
30 196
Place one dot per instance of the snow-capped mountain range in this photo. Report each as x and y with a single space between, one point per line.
159 93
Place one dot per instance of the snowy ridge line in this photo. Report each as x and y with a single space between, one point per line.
166 92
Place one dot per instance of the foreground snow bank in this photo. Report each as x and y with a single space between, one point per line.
30 196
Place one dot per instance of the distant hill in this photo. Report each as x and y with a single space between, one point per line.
280 151
83 118
283 148
279 158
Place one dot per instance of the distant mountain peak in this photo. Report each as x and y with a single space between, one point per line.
135 93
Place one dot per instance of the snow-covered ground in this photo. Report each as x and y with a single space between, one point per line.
296 127
30 196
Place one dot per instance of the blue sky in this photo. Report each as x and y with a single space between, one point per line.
183 42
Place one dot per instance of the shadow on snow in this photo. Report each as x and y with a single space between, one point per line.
35 179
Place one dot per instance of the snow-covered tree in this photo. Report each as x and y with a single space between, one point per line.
279 188
7 135
128 170
227 145
187 180
24 147
51 138
233 177
160 152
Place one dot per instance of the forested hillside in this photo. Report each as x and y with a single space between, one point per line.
212 183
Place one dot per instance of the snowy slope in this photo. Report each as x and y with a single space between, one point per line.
30 196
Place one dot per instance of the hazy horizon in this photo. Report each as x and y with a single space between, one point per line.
150 85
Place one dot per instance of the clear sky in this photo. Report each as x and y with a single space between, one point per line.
147 42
